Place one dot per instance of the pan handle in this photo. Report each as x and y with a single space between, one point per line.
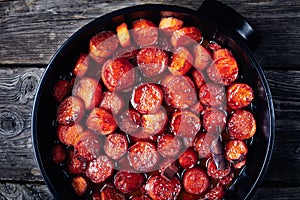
232 20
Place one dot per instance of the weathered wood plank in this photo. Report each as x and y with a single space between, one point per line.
17 90
31 31
279 47
31 191
277 193
18 85
285 162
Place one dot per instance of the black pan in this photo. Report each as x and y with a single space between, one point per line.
221 24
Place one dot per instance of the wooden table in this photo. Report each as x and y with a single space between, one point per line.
32 30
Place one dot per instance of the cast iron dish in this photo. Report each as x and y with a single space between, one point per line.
222 25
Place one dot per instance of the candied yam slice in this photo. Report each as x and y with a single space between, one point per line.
192 186
202 57
89 90
181 61
159 188
79 185
143 156
87 146
70 111
170 24
179 91
242 125
145 32
239 95
103 44
118 75
81 65
123 35
186 36
101 121
112 102
100 169
69 134
147 98
152 61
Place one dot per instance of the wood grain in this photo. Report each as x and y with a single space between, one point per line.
17 90
286 158
31 31
23 191
277 193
